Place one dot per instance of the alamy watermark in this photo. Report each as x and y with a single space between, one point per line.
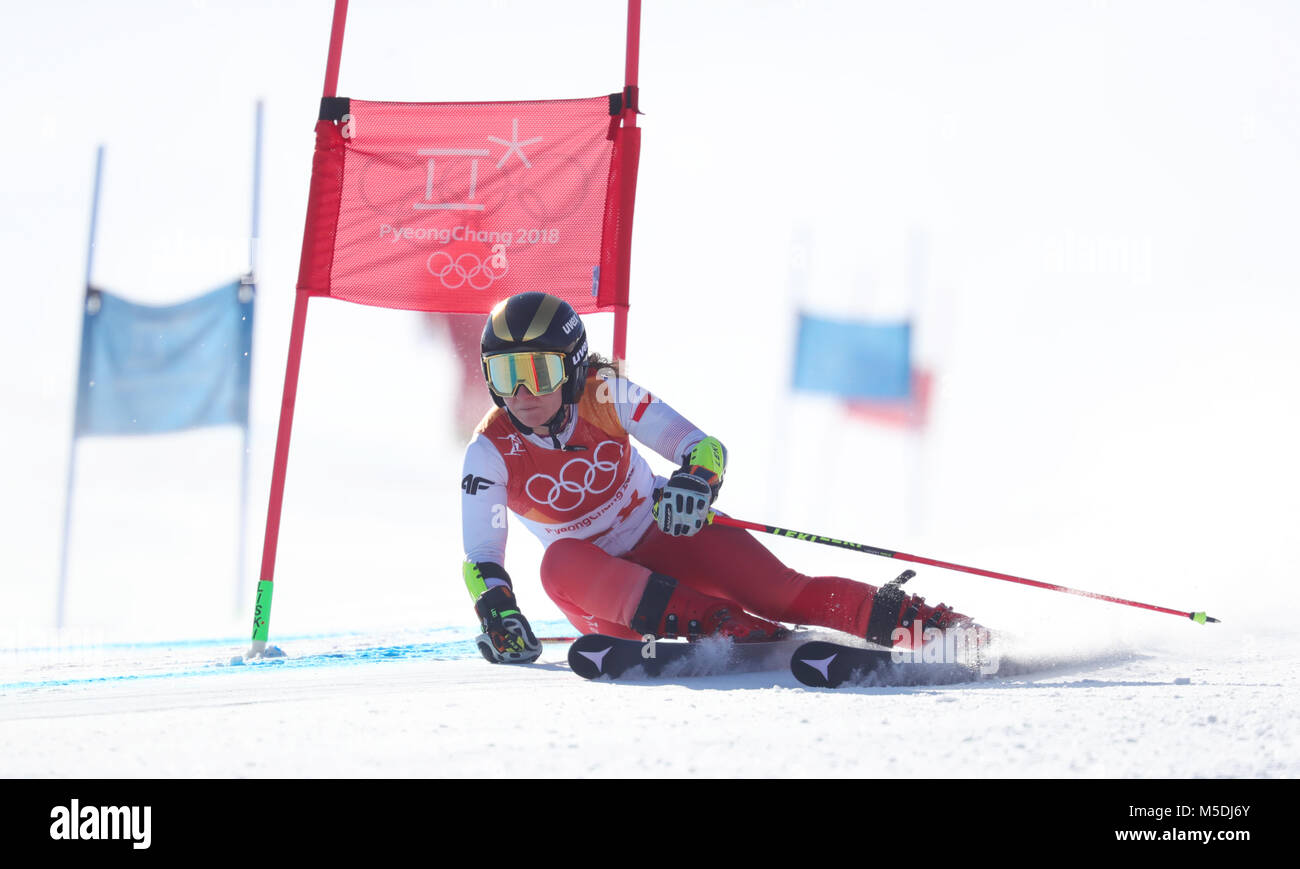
75 821
615 388
967 647
1128 258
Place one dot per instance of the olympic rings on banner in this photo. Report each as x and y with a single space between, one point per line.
464 269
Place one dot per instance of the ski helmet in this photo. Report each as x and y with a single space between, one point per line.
540 323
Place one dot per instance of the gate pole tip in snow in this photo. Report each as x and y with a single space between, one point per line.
261 618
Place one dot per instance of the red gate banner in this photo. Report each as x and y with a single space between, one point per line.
454 206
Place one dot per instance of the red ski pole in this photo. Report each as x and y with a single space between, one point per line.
718 519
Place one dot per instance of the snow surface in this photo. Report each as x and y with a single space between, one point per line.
1107 291
344 706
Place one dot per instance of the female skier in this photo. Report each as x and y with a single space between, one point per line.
627 553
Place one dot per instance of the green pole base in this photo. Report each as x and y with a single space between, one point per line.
262 614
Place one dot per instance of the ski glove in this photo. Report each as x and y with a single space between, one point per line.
507 637
681 507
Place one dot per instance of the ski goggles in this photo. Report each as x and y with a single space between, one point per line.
539 373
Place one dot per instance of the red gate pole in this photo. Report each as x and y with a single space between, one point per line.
262 606
336 48
628 193
633 52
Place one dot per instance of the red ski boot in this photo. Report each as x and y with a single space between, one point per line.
669 610
893 609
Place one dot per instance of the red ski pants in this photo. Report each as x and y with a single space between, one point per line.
599 592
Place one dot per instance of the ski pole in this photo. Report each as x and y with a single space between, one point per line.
718 519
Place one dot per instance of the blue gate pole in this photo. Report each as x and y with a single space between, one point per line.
254 239
72 449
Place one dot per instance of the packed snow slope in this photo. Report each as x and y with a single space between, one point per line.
418 708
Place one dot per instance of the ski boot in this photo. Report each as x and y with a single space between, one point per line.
893 609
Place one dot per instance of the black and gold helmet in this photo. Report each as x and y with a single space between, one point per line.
537 341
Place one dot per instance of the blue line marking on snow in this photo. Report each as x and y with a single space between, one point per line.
445 650
163 644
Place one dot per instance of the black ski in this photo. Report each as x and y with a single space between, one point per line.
828 665
596 655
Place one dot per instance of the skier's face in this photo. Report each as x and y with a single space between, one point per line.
534 410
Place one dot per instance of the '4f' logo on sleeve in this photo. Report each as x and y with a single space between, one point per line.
471 484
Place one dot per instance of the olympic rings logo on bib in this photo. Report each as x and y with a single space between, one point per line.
578 479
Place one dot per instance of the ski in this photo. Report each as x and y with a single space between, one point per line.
597 655
822 664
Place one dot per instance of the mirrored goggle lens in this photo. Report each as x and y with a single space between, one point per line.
539 373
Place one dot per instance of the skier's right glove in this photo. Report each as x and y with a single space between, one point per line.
507 637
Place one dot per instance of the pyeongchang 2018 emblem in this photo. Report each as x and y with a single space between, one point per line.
578 478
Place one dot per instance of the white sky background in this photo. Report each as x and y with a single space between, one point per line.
1107 191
